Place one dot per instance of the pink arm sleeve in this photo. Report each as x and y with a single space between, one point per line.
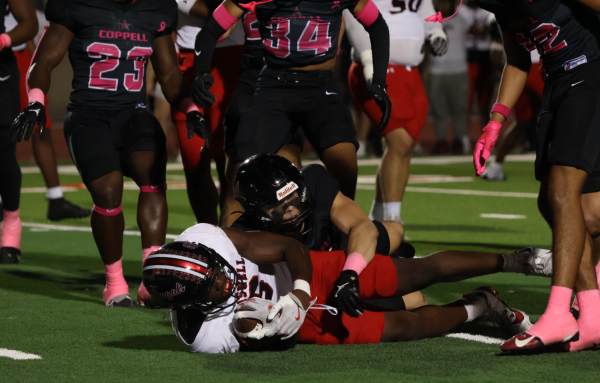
368 15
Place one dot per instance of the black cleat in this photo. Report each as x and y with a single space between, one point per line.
9 256
60 208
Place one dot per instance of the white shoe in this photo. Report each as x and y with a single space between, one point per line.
494 173
511 320
530 261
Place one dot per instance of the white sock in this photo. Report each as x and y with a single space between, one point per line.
391 211
55 193
476 305
376 211
362 149
496 166
466 141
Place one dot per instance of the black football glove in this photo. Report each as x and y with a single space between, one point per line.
347 295
195 123
200 90
383 102
33 114
439 46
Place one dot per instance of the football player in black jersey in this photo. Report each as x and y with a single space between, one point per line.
10 172
108 129
297 87
307 204
567 36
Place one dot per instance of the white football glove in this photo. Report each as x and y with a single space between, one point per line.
291 318
254 308
439 42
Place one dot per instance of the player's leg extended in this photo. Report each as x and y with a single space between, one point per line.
392 175
424 322
10 191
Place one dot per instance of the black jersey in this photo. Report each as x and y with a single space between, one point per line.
565 32
300 33
3 13
253 41
323 190
110 50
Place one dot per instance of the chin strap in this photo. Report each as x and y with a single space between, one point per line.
438 16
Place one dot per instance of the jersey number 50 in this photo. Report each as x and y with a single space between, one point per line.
111 55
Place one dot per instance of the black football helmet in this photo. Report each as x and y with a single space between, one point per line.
267 185
181 274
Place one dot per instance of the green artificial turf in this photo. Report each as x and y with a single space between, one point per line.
51 304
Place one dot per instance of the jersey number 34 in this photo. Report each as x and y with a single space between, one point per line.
110 56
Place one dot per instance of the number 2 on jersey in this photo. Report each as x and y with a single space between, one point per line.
110 55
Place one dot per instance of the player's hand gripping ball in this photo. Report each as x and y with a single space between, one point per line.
383 102
250 318
33 114
200 90
291 313
195 123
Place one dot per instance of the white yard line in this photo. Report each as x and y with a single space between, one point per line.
438 160
483 193
17 355
503 216
47 226
476 338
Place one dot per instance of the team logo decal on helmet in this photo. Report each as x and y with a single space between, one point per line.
271 190
182 274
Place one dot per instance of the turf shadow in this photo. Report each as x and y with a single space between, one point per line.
148 342
492 246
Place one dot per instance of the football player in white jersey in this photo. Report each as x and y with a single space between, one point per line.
204 273
408 34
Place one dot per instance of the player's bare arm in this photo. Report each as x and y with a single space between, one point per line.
514 78
264 247
50 52
349 218
24 13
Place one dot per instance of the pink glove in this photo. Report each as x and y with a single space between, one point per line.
484 146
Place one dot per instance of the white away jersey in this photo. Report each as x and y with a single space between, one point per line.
269 282
407 25
455 60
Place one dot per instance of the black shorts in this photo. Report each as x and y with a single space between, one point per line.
568 129
383 240
10 91
100 142
241 99
286 100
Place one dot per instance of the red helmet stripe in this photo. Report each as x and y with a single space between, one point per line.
156 261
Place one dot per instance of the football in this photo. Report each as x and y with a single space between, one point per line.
246 325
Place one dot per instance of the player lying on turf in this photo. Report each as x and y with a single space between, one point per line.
307 204
109 132
208 269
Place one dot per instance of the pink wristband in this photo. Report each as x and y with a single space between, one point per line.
36 95
368 15
187 105
5 41
502 109
355 262
223 17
